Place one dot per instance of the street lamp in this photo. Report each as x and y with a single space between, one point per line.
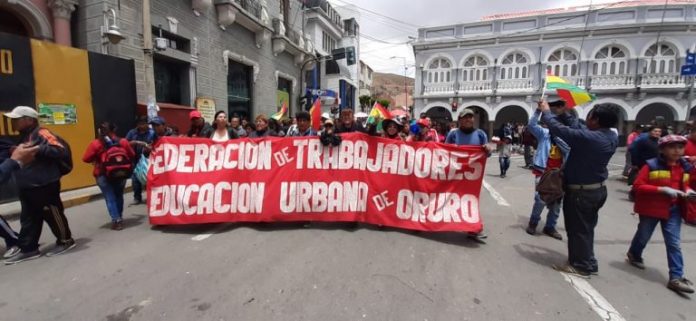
111 31
405 79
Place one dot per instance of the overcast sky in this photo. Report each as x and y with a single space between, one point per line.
425 13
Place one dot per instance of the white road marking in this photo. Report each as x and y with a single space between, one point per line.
597 302
201 237
496 196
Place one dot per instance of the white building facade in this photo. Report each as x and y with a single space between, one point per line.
628 54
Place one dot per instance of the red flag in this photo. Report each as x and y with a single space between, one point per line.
315 114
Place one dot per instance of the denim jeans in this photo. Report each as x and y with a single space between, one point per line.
670 232
580 214
113 195
538 207
504 164
137 189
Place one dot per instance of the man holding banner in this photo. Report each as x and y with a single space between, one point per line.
469 135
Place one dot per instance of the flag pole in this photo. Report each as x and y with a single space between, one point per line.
543 89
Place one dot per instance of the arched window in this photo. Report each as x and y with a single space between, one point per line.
440 71
660 60
563 63
610 60
475 69
515 66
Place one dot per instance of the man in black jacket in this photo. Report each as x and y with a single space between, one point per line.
347 123
39 188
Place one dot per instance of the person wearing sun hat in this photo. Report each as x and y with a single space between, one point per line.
663 196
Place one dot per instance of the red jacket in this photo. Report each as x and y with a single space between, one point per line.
649 201
690 148
96 148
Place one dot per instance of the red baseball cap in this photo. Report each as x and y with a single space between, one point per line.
424 122
195 114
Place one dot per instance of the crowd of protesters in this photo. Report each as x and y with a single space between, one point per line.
659 165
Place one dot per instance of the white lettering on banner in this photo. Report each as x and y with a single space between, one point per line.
398 159
244 198
202 158
318 197
436 207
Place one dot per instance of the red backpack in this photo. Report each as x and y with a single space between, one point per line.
115 162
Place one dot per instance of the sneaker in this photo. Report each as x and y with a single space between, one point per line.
61 248
12 251
23 256
637 262
478 237
531 229
567 268
553 233
680 285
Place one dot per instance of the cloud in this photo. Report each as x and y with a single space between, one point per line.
376 29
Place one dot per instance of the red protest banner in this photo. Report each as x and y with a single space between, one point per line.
418 186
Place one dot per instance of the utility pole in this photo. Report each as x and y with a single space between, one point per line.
148 53
405 80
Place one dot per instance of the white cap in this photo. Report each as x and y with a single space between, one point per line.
325 115
23 111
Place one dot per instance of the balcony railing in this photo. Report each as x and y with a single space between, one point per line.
576 80
476 87
612 82
444 88
508 85
670 80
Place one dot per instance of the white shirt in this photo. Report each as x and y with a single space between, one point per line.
220 138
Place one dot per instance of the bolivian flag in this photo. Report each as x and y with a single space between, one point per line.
378 113
573 95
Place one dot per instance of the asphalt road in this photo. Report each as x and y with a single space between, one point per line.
333 272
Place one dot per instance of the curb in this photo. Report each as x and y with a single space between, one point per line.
67 202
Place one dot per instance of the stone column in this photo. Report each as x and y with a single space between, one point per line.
62 10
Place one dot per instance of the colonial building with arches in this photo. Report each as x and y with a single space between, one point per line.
628 54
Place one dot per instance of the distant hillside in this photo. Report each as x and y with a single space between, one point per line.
391 86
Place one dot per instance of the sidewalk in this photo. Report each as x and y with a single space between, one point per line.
10 211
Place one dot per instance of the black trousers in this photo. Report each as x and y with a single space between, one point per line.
581 213
7 233
41 204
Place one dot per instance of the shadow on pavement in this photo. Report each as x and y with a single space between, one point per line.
540 255
649 274
132 221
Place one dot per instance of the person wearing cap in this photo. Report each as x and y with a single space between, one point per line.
39 188
328 136
419 131
584 175
663 194
140 139
199 127
468 134
302 128
159 125
550 154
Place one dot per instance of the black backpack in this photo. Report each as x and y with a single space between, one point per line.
65 163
